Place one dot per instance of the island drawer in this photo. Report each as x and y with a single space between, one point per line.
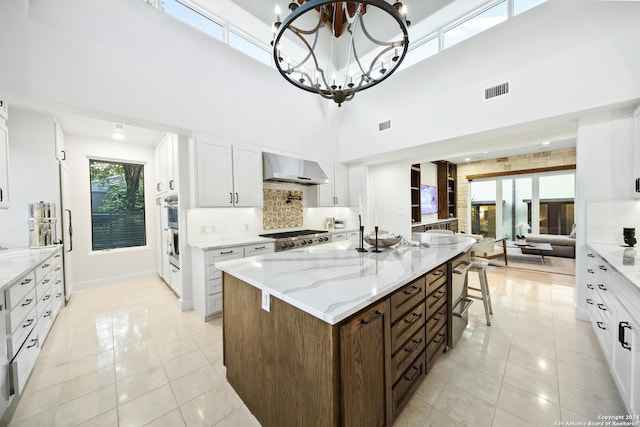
436 277
407 297
436 344
406 326
436 299
42 270
20 333
21 288
437 320
408 383
225 254
407 353
18 314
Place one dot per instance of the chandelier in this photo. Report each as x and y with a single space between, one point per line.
337 48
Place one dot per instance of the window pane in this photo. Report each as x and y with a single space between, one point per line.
476 24
557 194
193 18
249 48
419 53
520 6
483 208
117 205
516 205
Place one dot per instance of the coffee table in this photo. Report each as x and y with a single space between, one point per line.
540 247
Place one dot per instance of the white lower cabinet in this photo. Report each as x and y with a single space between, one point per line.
614 309
32 301
208 286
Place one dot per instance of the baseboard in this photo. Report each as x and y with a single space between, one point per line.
112 280
186 304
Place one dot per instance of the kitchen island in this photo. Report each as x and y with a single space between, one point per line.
329 336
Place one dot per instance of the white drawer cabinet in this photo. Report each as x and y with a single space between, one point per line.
32 301
207 279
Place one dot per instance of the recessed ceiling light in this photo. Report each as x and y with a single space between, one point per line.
117 136
546 143
467 159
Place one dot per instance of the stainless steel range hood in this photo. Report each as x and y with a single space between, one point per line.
281 168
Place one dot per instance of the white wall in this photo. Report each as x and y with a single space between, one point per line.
604 172
557 67
33 174
123 59
118 265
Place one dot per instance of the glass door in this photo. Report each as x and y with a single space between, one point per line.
516 206
483 208
557 193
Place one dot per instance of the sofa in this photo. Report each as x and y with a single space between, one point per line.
562 246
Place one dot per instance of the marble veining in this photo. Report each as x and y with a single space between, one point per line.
333 281
625 260
16 262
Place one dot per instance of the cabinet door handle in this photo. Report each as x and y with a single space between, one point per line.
46 297
237 200
171 185
589 301
602 307
158 187
64 155
1 195
589 270
34 342
231 198
415 345
27 302
602 286
27 323
47 313
71 228
414 375
621 327
602 267
414 318
373 318
590 255
601 325
412 291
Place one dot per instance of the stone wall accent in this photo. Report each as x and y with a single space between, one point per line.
278 213
505 164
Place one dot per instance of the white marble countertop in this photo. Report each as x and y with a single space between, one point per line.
16 262
333 281
217 243
625 260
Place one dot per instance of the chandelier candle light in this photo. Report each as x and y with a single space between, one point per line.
340 47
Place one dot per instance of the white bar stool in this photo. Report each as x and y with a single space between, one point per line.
479 265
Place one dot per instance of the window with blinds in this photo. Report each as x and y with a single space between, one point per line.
117 205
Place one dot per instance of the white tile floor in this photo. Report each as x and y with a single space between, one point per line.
124 355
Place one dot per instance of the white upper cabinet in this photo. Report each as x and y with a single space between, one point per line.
4 111
228 175
61 154
336 192
4 162
166 160
636 153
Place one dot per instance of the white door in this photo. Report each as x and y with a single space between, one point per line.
247 177
67 228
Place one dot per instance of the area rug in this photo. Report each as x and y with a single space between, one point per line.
552 264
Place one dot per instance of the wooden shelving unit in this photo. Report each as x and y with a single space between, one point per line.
415 194
447 173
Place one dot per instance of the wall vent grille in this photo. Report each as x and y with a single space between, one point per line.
497 90
118 127
384 125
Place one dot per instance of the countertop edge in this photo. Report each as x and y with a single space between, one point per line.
603 250
26 265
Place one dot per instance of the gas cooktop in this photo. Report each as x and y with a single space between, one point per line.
295 233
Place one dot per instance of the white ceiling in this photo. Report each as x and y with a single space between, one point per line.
81 126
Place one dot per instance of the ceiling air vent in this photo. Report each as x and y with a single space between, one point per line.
384 125
118 127
497 90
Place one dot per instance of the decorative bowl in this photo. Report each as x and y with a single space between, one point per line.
385 239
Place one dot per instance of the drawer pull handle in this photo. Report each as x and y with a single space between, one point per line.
45 265
412 291
602 307
57 256
34 342
589 286
601 325
414 317
259 247
226 252
415 345
602 267
27 323
438 341
602 286
46 297
589 301
621 339
414 375
590 255
438 295
589 270
45 281
47 313
27 302
438 273
25 281
373 318
437 319
58 295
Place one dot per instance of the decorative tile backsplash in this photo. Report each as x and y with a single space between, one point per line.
282 209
